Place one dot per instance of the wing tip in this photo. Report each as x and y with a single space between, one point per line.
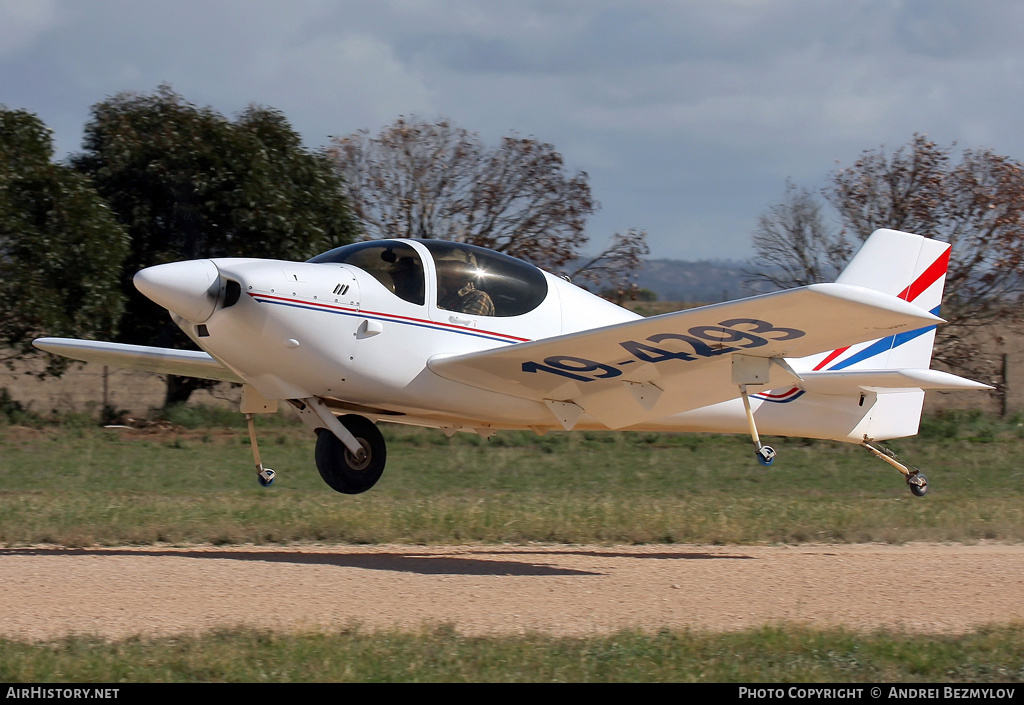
875 299
54 345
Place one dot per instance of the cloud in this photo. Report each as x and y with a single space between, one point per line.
688 116
348 82
23 23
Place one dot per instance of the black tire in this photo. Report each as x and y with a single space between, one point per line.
339 468
919 490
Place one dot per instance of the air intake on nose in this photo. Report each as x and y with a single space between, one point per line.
232 292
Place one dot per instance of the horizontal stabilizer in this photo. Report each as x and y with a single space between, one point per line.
185 363
849 381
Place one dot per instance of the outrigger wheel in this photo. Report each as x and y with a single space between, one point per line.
343 471
765 455
264 476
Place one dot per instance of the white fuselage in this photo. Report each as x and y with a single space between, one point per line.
459 337
353 332
293 334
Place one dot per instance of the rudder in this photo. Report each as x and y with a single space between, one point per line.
905 265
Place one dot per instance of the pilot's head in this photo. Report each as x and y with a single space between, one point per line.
455 270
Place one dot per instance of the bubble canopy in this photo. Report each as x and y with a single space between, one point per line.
515 287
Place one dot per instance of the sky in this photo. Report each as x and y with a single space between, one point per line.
689 117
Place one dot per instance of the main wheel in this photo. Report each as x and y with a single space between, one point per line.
343 471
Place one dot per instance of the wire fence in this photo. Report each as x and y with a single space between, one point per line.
1013 381
89 388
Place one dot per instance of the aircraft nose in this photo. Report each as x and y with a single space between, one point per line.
189 289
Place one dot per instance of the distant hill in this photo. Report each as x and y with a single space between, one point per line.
697 282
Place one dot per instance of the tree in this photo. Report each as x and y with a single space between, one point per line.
794 244
189 183
975 204
61 248
436 180
615 267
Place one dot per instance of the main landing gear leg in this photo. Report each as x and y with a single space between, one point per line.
265 476
916 480
765 454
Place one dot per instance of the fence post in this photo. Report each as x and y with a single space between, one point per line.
1004 388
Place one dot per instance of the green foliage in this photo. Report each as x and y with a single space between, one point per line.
974 425
191 416
13 411
440 654
61 249
188 183
195 416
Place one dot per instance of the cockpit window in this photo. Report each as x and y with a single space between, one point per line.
394 264
482 282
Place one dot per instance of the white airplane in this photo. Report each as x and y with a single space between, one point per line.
461 338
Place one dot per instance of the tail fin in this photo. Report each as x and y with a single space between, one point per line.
881 383
904 265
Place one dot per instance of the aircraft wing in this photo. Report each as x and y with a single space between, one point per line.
186 363
650 368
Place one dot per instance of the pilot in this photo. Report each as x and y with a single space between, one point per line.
457 288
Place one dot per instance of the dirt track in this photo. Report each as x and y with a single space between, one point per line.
117 592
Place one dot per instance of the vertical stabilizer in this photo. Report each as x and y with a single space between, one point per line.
904 265
914 269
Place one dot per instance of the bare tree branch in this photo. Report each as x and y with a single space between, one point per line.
976 204
794 245
436 180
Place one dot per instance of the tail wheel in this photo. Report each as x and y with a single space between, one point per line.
918 484
343 471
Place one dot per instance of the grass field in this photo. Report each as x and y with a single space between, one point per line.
766 655
79 485
75 484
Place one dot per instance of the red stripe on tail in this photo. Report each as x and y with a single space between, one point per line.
927 278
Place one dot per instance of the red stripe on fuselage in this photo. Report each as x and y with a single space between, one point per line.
778 396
